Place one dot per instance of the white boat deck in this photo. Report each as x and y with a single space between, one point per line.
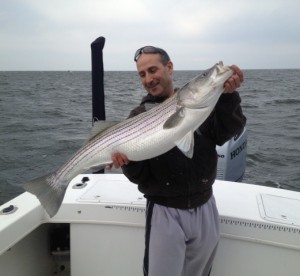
260 228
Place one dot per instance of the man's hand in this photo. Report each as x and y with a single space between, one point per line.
118 160
234 81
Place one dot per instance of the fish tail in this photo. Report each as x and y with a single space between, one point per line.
48 192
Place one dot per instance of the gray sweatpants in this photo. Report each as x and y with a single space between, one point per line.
180 242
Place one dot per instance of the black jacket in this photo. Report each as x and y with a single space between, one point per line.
174 180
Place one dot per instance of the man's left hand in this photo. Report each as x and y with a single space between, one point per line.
234 81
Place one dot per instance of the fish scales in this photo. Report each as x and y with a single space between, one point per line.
125 132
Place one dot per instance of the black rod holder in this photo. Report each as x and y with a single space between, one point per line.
98 100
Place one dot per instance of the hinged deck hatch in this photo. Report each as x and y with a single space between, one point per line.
279 209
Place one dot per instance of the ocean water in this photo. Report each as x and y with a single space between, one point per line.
46 116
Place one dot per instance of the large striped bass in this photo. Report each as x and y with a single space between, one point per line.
152 133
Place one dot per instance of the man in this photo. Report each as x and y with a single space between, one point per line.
182 223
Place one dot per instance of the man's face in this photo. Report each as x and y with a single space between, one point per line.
155 76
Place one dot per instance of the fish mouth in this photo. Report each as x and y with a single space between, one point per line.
221 69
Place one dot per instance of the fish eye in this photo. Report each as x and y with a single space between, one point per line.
204 74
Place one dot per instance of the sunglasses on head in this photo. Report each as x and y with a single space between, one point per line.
151 50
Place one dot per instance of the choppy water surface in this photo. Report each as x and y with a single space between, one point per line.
46 116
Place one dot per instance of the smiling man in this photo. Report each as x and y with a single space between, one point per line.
182 221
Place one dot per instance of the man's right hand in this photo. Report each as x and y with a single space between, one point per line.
118 160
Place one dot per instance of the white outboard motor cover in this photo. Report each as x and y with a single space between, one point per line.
232 158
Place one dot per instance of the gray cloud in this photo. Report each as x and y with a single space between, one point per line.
56 34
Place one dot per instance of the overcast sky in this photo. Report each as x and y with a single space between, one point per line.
56 34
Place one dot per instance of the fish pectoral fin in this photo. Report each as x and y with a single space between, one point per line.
175 119
97 168
193 106
99 127
186 144
100 167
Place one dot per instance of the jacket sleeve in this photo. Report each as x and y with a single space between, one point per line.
226 120
137 171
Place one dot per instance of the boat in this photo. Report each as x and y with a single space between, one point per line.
99 229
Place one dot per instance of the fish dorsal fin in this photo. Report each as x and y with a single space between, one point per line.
175 119
99 127
186 144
